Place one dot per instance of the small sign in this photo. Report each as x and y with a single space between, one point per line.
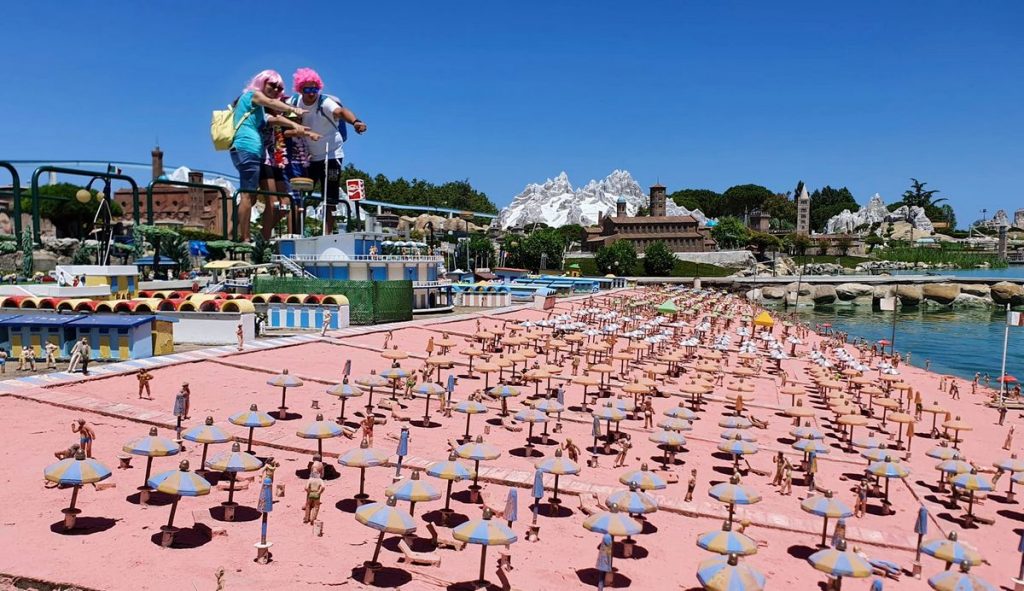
887 304
355 188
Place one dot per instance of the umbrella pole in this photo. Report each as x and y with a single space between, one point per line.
824 532
483 560
426 409
251 431
448 497
149 467
263 529
468 415
202 465
376 551
341 415
554 499
74 497
284 391
917 555
412 508
362 482
231 489
174 508
320 447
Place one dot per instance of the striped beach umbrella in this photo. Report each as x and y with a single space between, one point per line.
734 422
232 462
558 466
425 390
740 434
613 523
477 451
960 581
320 430
151 446
178 483
808 445
951 551
875 454
284 381
737 448
531 417
888 469
943 453
485 532
972 482
680 412
807 432
726 541
675 424
840 562
75 472
394 376
632 501
207 434
363 457
827 507
869 442
413 490
253 419
451 470
733 493
387 519
470 408
643 479
374 381
725 573
344 391
669 438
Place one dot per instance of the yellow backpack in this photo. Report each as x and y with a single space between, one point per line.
222 128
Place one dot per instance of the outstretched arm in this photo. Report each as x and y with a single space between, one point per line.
344 114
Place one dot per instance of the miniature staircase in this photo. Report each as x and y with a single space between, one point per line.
294 267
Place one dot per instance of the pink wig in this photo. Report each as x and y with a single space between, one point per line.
259 80
304 77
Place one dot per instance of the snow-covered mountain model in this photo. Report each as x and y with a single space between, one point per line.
556 203
875 212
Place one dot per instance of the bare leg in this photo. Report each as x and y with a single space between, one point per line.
244 212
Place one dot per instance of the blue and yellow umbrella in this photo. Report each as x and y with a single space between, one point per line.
450 470
951 551
972 482
734 422
680 412
503 391
725 573
613 523
633 502
875 454
75 472
363 457
807 432
669 438
470 408
344 391
960 581
558 466
808 445
839 562
477 451
413 490
643 479
320 430
733 493
253 419
675 424
207 434
485 532
151 446
387 519
233 462
179 483
726 541
943 453
740 434
284 381
827 507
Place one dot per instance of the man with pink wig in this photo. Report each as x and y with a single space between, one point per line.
247 149
325 116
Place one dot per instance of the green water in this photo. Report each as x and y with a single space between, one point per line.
958 342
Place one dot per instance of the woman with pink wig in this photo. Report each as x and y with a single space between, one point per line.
247 149
326 117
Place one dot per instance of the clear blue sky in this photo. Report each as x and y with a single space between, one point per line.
696 94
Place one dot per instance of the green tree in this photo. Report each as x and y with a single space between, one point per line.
527 251
573 233
799 243
844 242
872 241
617 259
730 232
918 196
762 242
658 260
58 204
708 201
782 210
480 251
742 199
828 202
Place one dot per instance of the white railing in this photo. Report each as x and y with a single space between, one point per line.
384 258
439 283
292 266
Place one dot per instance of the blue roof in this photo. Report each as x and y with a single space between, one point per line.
112 320
42 319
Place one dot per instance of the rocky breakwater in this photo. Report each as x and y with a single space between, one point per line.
945 294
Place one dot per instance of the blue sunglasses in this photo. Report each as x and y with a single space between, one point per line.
310 90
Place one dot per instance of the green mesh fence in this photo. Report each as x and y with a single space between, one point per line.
369 302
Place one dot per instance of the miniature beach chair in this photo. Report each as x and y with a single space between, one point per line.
589 504
400 416
511 425
412 557
444 540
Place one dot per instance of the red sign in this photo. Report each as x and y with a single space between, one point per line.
355 189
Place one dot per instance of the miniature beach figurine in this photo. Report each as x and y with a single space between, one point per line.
51 354
691 485
27 356
86 355
144 378
328 317
265 505
86 436
240 335
314 490
3 360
